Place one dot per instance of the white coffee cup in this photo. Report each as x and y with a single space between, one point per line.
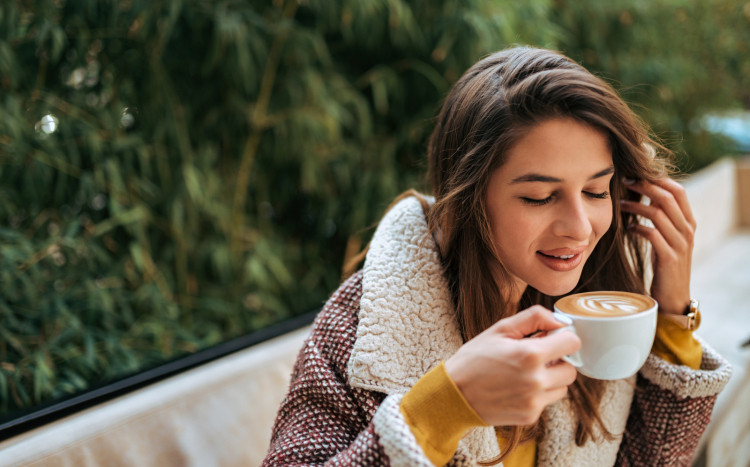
616 330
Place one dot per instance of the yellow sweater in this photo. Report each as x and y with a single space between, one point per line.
439 416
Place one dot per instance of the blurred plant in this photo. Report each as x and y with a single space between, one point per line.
676 60
174 173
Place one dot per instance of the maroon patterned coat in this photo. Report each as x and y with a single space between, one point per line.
389 324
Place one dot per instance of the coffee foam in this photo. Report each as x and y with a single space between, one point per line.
604 304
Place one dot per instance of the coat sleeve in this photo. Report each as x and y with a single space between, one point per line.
671 408
324 421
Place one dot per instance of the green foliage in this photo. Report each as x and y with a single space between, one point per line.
174 173
675 60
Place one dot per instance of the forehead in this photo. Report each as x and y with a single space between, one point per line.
560 145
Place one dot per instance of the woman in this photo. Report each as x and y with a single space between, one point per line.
432 353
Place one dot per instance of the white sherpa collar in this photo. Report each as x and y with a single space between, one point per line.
406 321
407 327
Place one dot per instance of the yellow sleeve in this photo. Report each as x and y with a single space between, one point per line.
672 343
438 414
676 345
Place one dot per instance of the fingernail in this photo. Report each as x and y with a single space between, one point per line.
628 181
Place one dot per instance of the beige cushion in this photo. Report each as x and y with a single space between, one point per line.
219 414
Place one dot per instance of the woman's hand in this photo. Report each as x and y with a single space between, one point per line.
671 239
507 376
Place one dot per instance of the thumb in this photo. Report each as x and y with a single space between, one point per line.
526 322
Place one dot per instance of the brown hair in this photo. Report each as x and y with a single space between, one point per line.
486 112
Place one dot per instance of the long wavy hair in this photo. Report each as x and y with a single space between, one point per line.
485 114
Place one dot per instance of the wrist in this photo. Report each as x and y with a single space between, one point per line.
689 318
682 308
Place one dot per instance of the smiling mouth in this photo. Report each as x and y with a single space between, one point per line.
563 252
561 263
558 257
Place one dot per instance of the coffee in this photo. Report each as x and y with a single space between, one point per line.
616 330
604 304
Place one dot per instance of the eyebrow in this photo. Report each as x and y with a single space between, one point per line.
534 177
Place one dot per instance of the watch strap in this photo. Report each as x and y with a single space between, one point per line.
690 319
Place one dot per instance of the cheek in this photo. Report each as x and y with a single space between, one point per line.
602 220
515 230
502 233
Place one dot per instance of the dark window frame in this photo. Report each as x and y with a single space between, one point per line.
23 421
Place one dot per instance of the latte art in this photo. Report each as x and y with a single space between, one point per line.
605 304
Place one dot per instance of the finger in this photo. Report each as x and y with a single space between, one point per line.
553 395
527 322
656 215
680 196
555 346
660 246
665 199
560 374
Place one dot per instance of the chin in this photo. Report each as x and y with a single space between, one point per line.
557 289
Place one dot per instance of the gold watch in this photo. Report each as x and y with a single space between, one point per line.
690 319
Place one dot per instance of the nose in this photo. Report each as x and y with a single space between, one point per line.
573 221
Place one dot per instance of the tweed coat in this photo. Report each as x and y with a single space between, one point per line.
387 325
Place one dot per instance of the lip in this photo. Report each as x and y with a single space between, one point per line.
564 251
547 257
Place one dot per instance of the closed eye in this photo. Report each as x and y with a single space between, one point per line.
548 199
536 202
602 195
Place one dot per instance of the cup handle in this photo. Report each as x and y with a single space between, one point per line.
573 359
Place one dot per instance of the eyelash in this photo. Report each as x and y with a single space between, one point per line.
542 202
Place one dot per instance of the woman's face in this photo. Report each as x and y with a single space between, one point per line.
549 204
